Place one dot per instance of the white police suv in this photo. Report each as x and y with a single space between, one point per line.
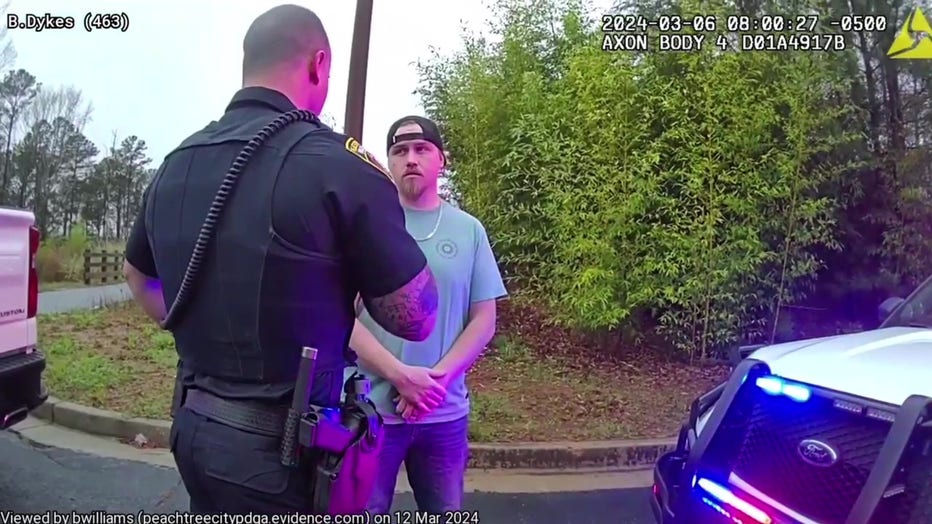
834 430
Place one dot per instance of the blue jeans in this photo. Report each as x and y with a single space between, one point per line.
435 457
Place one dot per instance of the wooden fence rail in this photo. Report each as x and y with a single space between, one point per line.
105 267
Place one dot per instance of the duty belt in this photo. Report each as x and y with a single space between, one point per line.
246 415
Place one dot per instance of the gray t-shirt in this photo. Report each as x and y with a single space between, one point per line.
461 259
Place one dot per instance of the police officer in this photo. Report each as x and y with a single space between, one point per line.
312 221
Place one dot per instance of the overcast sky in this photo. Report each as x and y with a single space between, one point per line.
177 66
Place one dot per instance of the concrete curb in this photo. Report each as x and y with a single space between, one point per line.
614 455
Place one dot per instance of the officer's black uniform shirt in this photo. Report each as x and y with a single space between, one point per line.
304 230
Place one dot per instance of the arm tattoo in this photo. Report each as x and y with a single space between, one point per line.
409 312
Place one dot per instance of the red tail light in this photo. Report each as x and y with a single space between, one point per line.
33 304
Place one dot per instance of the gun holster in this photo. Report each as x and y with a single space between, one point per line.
340 445
344 478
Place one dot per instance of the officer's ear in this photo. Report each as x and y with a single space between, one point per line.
317 67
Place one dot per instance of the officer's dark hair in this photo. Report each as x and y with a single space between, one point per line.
281 35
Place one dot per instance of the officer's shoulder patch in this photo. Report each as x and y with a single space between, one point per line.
353 146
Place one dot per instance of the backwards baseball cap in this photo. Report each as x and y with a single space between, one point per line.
429 132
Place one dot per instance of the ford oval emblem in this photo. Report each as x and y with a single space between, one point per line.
817 453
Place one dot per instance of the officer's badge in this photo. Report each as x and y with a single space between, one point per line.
354 147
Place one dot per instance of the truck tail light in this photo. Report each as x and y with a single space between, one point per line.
33 303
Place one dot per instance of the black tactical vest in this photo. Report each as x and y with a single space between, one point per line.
258 299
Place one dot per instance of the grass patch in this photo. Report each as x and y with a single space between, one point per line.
111 358
55 286
115 358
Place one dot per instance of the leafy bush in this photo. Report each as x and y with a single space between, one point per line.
687 185
61 259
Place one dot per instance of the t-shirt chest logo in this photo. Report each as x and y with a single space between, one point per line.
447 248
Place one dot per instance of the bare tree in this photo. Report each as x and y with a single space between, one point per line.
56 117
7 51
66 102
17 91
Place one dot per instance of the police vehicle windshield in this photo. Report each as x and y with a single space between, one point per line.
915 311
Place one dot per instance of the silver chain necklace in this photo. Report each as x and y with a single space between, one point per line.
436 226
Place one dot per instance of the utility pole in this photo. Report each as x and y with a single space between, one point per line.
359 67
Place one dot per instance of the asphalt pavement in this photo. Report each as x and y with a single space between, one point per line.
36 478
73 299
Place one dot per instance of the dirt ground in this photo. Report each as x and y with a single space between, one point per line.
536 383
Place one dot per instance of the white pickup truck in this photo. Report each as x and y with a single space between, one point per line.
21 363
833 430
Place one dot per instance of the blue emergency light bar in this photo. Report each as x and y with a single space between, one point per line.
774 385
725 501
